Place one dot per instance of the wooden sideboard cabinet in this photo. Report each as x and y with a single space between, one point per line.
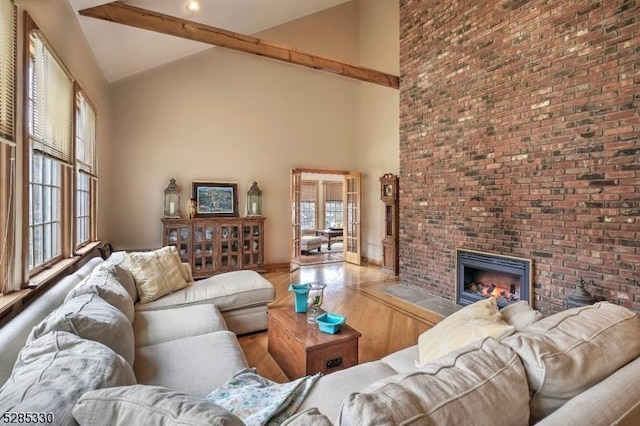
215 245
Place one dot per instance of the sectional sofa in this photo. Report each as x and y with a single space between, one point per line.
92 353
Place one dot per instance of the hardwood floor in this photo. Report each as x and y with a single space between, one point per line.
387 324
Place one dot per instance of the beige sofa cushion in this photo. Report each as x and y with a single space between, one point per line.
520 315
473 322
153 327
231 290
157 273
90 317
52 372
613 401
193 365
331 390
149 405
124 274
569 352
483 381
310 417
104 282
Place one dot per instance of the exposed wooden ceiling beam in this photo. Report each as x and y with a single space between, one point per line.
121 13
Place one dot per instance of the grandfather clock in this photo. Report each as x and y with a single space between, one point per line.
389 196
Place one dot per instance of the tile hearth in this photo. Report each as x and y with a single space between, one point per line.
421 298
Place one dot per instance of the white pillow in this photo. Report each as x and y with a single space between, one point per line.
157 273
52 372
473 322
482 383
520 315
148 405
90 317
104 282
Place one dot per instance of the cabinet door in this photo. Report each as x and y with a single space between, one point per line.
204 261
179 235
229 247
252 240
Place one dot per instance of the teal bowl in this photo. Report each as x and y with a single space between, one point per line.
330 323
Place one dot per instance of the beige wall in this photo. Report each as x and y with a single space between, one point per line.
222 115
378 137
57 20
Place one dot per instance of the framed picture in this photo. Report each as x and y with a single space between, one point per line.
215 199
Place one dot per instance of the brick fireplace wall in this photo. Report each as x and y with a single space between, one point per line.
519 135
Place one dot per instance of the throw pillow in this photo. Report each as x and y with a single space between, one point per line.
148 405
482 383
568 352
119 260
104 282
156 273
520 315
52 372
90 317
473 322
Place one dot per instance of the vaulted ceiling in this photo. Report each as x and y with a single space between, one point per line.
122 50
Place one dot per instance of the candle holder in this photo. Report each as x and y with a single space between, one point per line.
315 297
172 200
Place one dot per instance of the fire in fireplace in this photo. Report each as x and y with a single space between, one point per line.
481 275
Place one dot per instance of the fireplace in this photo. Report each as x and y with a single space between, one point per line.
481 275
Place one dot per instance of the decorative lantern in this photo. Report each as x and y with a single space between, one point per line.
172 200
580 296
254 200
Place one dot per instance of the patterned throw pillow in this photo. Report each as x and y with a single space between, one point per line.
473 322
156 273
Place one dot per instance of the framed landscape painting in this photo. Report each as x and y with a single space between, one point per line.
215 199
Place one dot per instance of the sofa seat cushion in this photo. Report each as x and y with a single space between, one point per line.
149 405
90 317
484 381
567 353
194 365
231 290
330 390
104 282
404 360
52 372
153 327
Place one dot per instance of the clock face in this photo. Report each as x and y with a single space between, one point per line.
388 190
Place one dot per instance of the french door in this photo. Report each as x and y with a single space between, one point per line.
352 236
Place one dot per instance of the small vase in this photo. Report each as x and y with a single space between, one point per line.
191 208
314 301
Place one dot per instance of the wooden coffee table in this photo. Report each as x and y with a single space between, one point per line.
301 348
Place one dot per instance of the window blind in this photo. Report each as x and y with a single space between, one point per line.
308 191
85 134
51 98
7 71
333 191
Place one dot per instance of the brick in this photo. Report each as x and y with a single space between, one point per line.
525 142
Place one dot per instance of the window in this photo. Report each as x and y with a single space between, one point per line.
333 212
50 151
308 202
85 169
7 140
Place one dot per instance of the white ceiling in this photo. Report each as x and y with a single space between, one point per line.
122 51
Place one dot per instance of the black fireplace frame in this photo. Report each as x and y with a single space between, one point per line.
494 263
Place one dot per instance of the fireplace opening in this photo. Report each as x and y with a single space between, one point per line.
483 275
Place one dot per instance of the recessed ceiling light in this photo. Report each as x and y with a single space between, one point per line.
193 6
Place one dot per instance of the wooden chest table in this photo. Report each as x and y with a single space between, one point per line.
301 348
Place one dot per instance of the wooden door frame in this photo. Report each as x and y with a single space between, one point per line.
294 245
